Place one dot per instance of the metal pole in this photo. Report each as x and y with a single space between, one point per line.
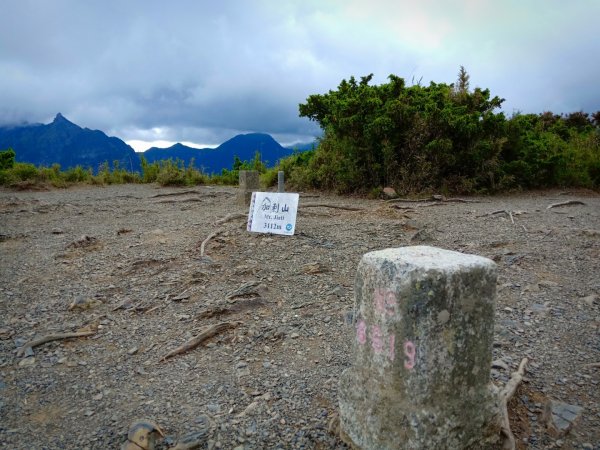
280 182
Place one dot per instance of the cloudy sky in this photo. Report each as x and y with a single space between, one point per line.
202 71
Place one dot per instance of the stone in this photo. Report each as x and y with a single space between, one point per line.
422 352
590 299
389 193
560 417
249 182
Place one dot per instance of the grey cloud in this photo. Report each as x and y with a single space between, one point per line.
202 71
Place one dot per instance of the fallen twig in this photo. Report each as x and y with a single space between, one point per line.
505 395
593 365
207 333
50 338
230 217
205 241
567 203
325 205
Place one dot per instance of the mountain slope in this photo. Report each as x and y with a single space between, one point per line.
210 160
67 144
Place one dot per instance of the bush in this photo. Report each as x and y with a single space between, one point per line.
7 159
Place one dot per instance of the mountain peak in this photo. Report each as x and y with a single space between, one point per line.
62 120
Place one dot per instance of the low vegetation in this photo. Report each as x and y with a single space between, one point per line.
439 138
443 138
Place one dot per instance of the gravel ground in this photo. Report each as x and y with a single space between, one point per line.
124 263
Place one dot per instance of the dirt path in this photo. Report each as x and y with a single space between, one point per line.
124 262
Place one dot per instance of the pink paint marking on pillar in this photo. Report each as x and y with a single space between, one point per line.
378 300
376 339
392 353
390 303
361 332
385 301
410 351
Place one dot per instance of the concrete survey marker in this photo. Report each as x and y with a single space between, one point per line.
249 182
423 338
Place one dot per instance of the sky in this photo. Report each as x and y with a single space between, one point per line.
202 71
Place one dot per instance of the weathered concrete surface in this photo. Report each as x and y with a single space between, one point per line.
422 352
249 182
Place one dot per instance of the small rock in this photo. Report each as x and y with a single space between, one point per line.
560 417
5 333
27 362
590 299
389 193
132 351
500 364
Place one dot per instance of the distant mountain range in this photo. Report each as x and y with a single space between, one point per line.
213 160
69 145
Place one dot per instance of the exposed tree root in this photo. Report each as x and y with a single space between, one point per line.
51 337
207 333
433 198
505 395
171 194
325 205
205 241
567 203
230 217
500 211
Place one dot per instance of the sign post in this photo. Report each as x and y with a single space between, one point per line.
273 212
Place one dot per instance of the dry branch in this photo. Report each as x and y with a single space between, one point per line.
50 338
505 395
567 203
325 205
230 217
207 333
205 241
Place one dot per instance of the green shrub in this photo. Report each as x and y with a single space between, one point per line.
7 159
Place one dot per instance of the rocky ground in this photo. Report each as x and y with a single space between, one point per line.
123 264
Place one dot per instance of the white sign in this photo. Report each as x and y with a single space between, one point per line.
273 212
